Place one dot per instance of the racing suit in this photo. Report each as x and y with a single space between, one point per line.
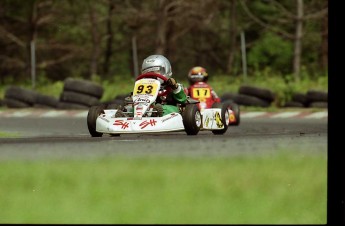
204 93
172 98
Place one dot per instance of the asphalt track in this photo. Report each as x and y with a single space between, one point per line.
67 138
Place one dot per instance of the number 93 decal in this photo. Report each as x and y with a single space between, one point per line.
141 88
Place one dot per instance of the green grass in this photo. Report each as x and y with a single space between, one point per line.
271 189
8 135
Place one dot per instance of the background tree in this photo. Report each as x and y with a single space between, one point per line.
95 38
277 18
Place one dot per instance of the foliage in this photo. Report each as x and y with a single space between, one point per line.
270 51
79 39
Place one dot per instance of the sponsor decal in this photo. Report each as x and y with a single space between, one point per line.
144 124
150 61
142 100
139 107
207 121
170 117
232 118
123 124
218 120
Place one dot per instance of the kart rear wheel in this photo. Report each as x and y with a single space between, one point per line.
191 119
236 109
92 116
224 116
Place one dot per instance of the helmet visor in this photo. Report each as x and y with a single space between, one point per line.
156 69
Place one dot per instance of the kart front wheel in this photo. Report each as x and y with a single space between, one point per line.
191 119
92 116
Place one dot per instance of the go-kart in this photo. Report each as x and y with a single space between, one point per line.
142 113
201 92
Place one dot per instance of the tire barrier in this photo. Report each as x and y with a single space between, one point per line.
251 96
83 86
76 94
227 96
18 97
45 101
310 99
80 94
262 97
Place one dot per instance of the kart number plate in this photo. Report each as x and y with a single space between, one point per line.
144 87
201 93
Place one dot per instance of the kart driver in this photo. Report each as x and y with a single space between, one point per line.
199 89
175 94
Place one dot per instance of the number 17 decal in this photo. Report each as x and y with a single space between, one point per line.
201 92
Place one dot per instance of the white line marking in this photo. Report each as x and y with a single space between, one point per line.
81 114
285 114
53 113
252 114
19 114
318 115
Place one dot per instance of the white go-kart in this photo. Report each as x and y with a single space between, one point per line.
143 113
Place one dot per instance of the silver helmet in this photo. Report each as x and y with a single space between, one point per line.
158 64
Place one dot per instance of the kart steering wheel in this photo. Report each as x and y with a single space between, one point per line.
152 75
155 76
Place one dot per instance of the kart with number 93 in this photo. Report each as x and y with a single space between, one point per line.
142 113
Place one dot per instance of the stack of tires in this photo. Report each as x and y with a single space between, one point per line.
80 94
312 99
18 97
254 96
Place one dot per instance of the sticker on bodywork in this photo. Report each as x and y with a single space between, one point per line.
218 119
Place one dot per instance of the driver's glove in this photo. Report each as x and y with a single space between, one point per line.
171 82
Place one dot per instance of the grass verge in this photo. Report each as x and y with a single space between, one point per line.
272 189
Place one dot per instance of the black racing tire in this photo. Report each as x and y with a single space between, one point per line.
42 106
21 94
46 100
191 119
79 98
300 98
293 104
247 100
318 104
261 93
224 107
227 96
83 86
317 96
236 109
92 116
13 103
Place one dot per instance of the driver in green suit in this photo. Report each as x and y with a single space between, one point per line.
167 103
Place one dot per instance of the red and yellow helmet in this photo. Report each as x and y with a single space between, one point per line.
197 74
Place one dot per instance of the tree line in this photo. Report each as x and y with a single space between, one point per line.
110 38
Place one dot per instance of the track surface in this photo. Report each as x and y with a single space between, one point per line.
66 138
